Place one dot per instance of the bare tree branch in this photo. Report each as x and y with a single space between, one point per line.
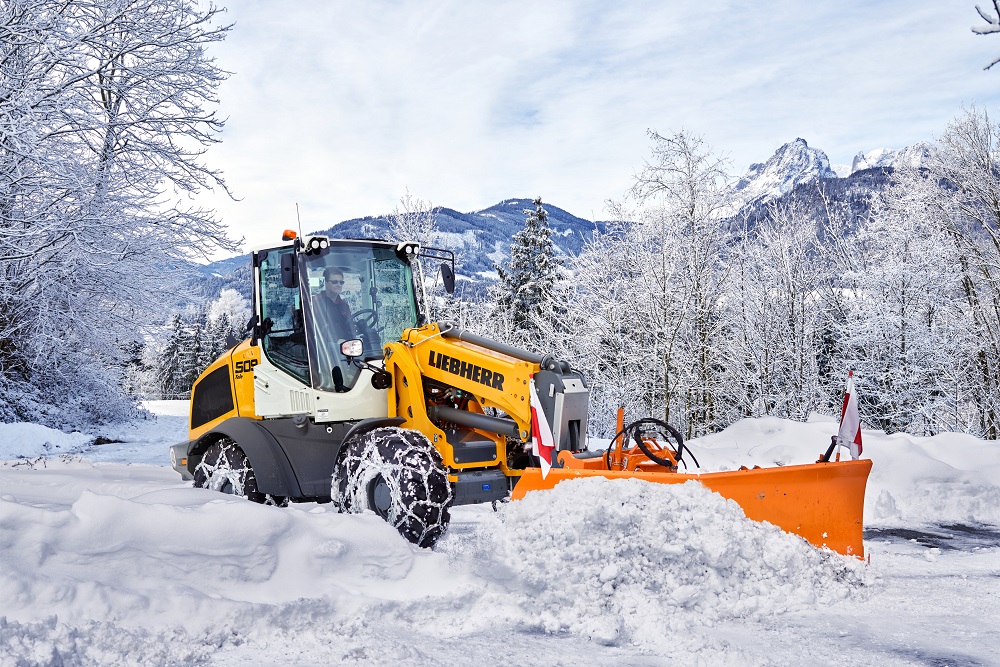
992 26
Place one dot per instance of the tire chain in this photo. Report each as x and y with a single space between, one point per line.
239 477
414 473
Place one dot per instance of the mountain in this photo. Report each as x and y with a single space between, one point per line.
479 240
482 238
889 158
804 175
793 164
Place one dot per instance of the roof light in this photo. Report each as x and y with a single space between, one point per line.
288 235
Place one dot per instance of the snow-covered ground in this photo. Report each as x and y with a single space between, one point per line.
108 558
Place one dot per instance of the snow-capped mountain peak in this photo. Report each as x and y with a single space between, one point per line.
912 156
792 164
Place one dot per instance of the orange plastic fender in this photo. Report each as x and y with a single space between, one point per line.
821 502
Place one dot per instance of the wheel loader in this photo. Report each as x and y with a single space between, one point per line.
345 391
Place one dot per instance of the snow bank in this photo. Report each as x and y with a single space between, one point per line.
23 440
186 558
106 563
628 560
146 441
947 478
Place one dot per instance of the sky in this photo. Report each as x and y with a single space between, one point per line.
343 107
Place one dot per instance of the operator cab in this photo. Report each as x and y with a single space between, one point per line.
315 296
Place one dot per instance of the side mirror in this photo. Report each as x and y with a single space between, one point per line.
289 273
352 348
448 277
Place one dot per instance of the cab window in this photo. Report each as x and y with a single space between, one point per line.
282 330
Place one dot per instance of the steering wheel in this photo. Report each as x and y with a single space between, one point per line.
366 318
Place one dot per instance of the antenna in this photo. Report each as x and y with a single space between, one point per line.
299 218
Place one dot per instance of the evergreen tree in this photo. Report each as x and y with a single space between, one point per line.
524 296
171 360
195 353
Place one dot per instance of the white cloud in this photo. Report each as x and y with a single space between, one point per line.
340 106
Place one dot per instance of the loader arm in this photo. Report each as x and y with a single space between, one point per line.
443 378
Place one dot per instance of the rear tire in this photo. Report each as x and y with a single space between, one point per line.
399 475
225 468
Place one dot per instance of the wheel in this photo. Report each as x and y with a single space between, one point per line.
399 475
225 468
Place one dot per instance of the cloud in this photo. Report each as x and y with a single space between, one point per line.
341 105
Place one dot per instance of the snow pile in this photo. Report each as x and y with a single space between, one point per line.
24 440
947 478
187 558
627 560
128 565
52 643
144 440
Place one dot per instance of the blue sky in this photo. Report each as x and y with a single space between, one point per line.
341 106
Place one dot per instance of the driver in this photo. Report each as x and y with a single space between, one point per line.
332 311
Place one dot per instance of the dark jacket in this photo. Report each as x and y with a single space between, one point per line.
334 316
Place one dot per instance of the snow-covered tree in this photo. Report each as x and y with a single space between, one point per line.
104 121
524 293
683 194
772 312
414 220
903 327
171 372
958 193
605 332
232 306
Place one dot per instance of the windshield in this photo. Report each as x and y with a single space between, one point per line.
353 290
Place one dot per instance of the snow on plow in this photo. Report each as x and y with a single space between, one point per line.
822 502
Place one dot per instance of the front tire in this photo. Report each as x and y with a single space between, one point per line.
225 468
399 475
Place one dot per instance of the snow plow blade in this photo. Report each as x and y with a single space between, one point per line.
821 502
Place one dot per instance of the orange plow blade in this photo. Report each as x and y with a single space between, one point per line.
821 502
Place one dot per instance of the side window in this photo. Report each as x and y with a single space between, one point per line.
282 328
395 298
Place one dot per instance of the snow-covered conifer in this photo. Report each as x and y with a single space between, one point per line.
525 289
